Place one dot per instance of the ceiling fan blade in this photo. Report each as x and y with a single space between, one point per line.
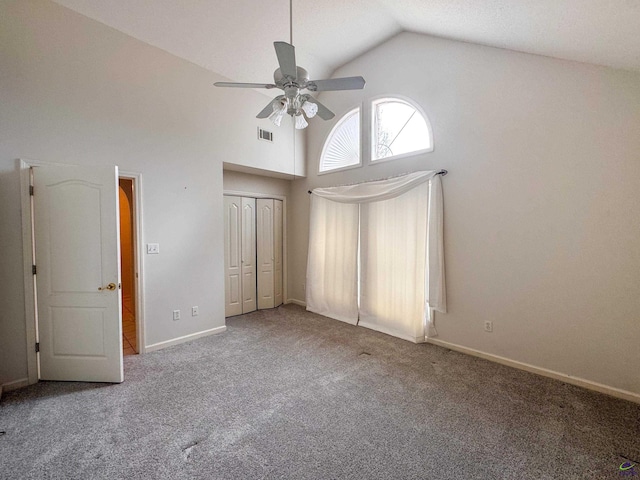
345 83
286 54
323 112
244 85
268 110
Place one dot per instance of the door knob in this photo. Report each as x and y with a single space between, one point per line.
111 286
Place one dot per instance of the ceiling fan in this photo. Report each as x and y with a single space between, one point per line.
292 79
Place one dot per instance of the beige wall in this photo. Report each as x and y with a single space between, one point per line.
248 183
75 91
542 217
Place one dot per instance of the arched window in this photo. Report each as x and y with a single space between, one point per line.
342 148
399 128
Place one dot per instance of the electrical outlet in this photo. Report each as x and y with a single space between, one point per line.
176 314
488 326
153 248
194 311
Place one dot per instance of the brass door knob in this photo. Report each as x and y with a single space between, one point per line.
111 286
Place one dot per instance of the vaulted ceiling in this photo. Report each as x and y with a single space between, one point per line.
234 37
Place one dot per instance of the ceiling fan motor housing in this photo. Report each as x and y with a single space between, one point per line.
300 81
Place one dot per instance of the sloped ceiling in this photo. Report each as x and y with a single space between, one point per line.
234 38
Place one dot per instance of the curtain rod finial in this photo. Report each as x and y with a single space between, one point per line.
442 172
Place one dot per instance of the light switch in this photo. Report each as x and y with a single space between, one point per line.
153 248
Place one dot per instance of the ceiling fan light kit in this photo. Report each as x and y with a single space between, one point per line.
301 122
279 106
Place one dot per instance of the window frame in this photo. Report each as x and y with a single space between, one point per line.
366 111
372 140
343 118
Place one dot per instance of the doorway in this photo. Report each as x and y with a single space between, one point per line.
127 266
67 347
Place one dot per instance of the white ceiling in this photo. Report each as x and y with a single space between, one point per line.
234 37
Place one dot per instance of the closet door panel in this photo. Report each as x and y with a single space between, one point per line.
265 251
249 300
232 255
277 252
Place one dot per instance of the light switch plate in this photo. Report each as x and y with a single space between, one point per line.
153 248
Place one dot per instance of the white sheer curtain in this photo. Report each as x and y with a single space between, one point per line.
401 254
393 258
332 271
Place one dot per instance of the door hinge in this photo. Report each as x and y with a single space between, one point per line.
31 190
37 347
33 269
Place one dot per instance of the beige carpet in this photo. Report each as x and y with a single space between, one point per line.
289 394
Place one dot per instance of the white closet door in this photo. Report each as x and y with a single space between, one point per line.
277 251
232 255
248 252
266 254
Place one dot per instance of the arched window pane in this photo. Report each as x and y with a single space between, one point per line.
398 128
342 148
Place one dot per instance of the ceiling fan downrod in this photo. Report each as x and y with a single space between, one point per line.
291 22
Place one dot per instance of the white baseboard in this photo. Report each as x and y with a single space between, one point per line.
16 384
296 302
186 338
563 377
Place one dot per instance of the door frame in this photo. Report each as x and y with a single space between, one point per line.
239 193
137 256
28 254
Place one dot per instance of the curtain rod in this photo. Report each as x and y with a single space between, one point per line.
442 172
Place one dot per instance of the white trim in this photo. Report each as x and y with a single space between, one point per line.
28 261
185 338
296 302
16 384
139 256
285 256
563 377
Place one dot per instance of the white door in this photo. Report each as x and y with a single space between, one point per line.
232 256
78 273
277 251
249 302
266 257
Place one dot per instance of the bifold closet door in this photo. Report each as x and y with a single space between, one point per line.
277 254
248 255
239 255
269 238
